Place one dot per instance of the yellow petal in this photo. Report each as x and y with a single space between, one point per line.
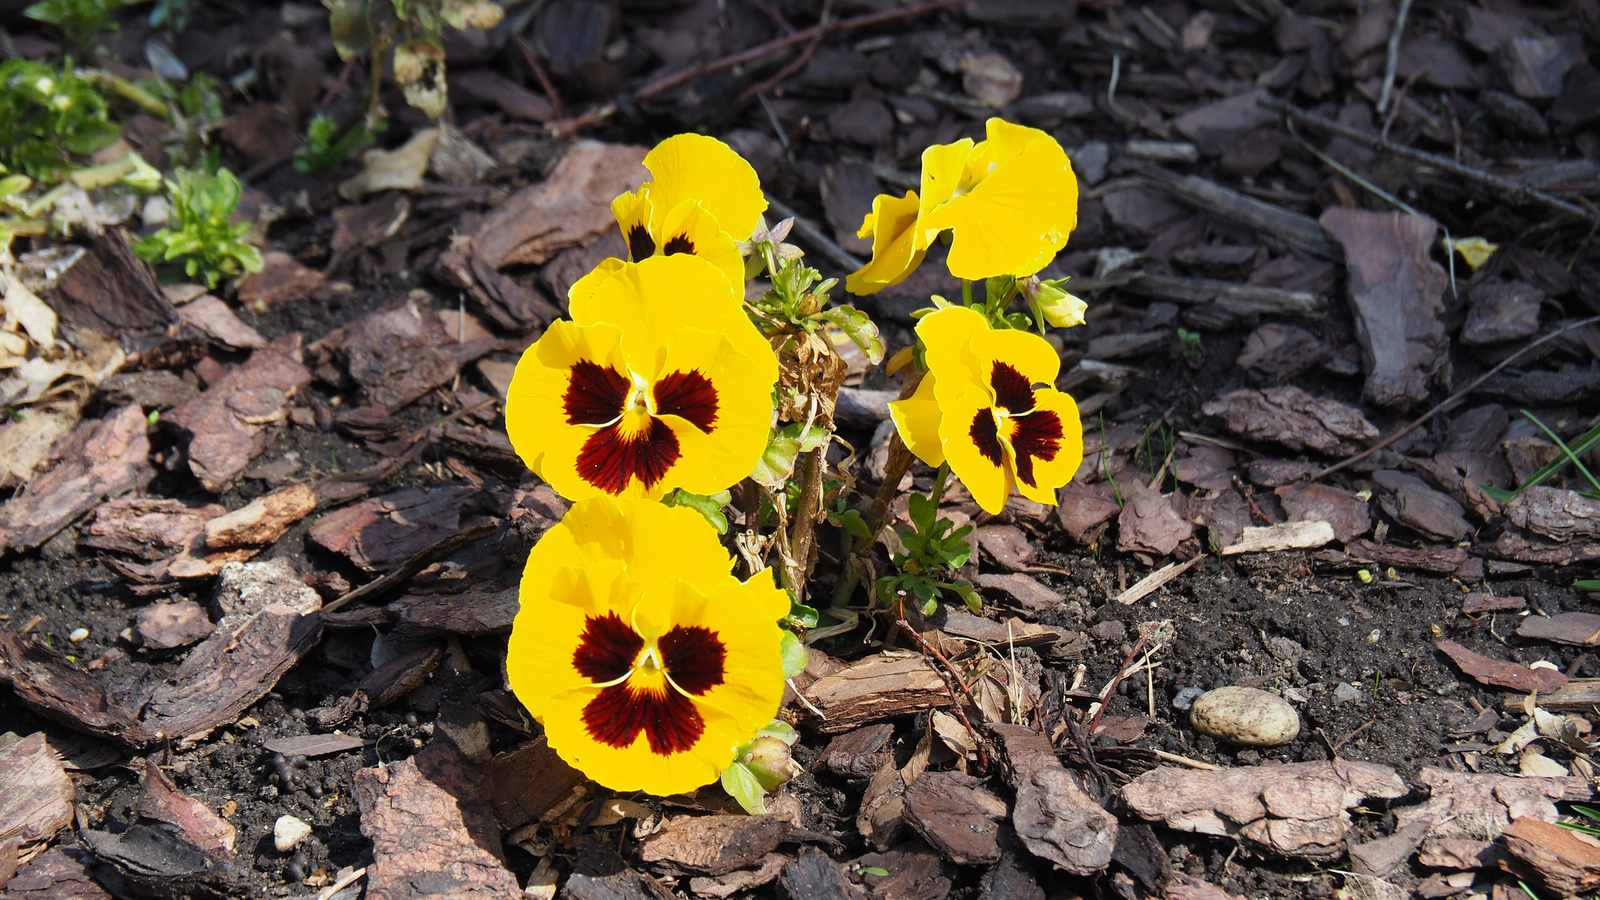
917 419
1046 446
1475 250
723 410
688 228
534 401
947 337
586 286
968 433
895 250
944 169
1024 351
693 167
1015 219
556 600
650 299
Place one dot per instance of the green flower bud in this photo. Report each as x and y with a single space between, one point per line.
144 178
768 759
1059 308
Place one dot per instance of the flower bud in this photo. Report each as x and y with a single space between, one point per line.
1059 308
768 759
144 178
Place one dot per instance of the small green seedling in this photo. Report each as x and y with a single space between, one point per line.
932 551
202 241
47 116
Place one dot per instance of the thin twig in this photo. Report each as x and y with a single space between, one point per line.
955 676
1451 400
1393 60
668 82
1520 193
549 87
799 62
1111 687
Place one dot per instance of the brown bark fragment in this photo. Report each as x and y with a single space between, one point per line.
521 785
1291 417
1297 809
813 876
859 753
1054 817
149 527
394 354
716 845
957 816
1476 806
35 795
229 422
1578 629
430 834
160 799
262 520
875 688
100 459
1396 293
54 875
380 533
1565 862
47 683
1500 673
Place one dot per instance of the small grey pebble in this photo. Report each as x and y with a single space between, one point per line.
1185 698
1346 693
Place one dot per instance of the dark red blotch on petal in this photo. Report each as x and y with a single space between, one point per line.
595 394
668 719
679 244
640 244
607 649
609 459
690 395
1012 390
694 658
1038 436
985 433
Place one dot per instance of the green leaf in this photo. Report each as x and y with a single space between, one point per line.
806 616
1589 586
1585 442
968 595
795 657
709 507
776 465
741 785
781 730
873 870
859 328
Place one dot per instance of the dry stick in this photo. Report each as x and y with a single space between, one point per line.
953 675
1105 698
805 523
556 106
1393 60
668 82
1520 193
797 64
1451 400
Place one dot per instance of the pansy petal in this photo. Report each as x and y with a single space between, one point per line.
657 541
652 298
586 286
556 602
947 336
917 419
895 250
717 403
970 435
944 169
1047 445
693 167
688 228
1015 219
559 383
1023 352
633 212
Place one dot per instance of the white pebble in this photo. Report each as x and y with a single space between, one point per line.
288 832
78 635
1247 716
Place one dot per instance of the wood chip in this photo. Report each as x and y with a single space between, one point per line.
1283 536
313 745
1025 590
1055 819
430 834
1149 584
524 784
262 520
1575 628
957 816
35 795
100 459
160 799
874 688
229 422
1564 862
1293 418
1500 673
716 845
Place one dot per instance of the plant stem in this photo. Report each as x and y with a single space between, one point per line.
802 533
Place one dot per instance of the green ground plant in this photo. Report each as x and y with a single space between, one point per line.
48 114
202 240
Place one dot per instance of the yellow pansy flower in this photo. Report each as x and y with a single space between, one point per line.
979 410
703 199
1009 201
659 382
647 662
